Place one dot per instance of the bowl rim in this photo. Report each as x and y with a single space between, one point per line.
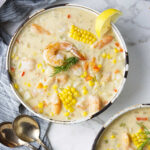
117 33
114 117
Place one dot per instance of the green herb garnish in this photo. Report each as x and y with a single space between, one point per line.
66 65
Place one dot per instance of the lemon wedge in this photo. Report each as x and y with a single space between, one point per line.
103 21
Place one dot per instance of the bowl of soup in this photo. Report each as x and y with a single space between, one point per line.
127 130
60 70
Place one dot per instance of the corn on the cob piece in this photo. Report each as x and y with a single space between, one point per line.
138 138
82 35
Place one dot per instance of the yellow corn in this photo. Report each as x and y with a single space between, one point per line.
45 86
28 84
138 138
85 114
104 55
16 85
116 50
114 61
55 87
67 96
43 70
39 66
91 83
66 114
52 114
40 105
82 35
99 66
113 136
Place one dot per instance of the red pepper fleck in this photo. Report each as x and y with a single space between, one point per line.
23 73
115 90
68 16
141 118
12 69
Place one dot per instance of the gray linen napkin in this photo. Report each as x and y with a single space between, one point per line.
13 11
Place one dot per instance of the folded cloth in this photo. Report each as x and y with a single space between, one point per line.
12 12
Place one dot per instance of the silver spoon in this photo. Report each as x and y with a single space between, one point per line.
9 138
27 129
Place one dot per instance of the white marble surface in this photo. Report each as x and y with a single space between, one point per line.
135 28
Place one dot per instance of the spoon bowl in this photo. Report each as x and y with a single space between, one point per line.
27 129
9 138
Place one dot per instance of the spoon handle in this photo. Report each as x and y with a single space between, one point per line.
41 143
31 146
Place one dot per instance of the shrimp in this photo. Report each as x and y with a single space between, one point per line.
28 64
100 44
40 29
56 104
95 104
126 141
52 56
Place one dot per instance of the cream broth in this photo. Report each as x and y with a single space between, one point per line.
46 42
125 132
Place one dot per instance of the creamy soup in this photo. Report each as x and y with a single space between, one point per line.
61 69
128 132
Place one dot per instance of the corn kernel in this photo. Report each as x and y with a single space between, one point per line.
45 86
55 87
84 114
91 83
39 66
16 85
116 50
114 61
85 92
99 66
43 70
29 85
74 101
85 74
40 111
104 55
108 56
71 109
17 58
40 105
52 114
66 114
113 136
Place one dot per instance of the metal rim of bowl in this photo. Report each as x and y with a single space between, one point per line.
117 33
113 118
